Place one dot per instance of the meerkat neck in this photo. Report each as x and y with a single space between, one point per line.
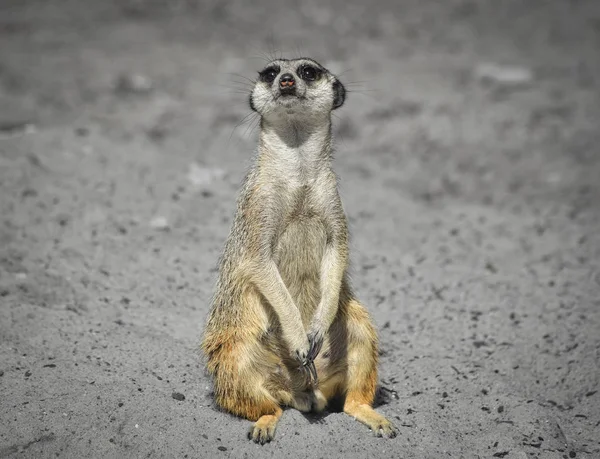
290 146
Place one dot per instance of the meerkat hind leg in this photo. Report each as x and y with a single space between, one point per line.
361 378
364 412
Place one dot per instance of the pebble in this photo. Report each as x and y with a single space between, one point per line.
178 396
509 75
133 83
160 223
200 175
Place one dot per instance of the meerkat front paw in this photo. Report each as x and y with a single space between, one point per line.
307 364
315 340
300 346
301 355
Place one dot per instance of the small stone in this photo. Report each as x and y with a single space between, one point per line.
491 267
82 131
177 396
133 83
29 193
222 448
160 223
16 127
510 75
201 175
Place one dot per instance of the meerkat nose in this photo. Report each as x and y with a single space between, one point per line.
287 81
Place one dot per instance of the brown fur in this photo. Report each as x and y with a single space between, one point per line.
283 278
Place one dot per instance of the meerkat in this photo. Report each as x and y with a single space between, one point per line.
285 328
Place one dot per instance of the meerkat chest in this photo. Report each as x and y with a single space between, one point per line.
298 255
301 243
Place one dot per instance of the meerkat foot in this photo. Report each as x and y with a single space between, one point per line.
385 428
364 413
263 430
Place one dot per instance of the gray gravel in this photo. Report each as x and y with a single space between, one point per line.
470 169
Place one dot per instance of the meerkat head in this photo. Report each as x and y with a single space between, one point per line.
297 88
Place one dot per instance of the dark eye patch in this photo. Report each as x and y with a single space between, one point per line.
308 72
269 74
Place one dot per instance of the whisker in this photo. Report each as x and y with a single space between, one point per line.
340 136
344 71
262 56
243 77
238 84
245 119
252 125
233 90
356 82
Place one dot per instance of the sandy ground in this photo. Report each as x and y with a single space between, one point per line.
472 199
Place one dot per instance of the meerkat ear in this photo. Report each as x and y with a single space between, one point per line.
339 94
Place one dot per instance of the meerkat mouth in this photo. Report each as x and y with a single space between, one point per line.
288 97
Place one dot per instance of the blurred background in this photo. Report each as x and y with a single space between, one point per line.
468 156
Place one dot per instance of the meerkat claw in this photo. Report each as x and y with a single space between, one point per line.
301 357
316 343
312 372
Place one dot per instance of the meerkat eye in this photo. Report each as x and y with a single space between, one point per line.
269 74
308 73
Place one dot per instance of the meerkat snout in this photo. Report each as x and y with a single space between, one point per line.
287 84
299 88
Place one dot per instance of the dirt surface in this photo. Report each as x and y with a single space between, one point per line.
468 151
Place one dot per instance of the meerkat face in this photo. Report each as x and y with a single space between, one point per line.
297 88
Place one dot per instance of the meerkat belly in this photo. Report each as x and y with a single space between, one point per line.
298 255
